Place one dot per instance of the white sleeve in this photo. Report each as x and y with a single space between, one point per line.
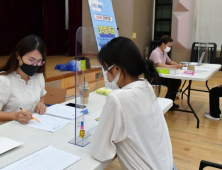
110 130
4 91
42 81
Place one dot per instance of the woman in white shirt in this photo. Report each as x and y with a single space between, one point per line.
22 83
131 123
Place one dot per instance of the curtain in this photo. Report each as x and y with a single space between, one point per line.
208 21
28 18
54 26
17 21
35 20
6 27
75 21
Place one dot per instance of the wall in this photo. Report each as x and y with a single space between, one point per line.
123 10
195 21
131 16
183 23
88 36
179 55
86 17
143 23
182 29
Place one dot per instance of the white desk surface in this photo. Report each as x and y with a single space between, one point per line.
34 139
198 76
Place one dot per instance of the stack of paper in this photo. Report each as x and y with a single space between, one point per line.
48 123
56 117
197 68
63 111
7 144
48 158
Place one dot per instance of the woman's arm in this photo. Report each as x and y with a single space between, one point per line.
42 99
41 107
22 117
110 130
7 116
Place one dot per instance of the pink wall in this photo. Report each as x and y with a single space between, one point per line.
183 23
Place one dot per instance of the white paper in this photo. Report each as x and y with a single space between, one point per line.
48 158
63 111
48 123
197 68
7 144
174 71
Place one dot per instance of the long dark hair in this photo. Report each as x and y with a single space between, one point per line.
27 44
124 53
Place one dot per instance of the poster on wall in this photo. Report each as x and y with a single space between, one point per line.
103 20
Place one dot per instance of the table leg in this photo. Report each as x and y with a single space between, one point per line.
208 90
188 101
183 92
207 85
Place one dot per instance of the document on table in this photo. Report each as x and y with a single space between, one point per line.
63 111
197 68
7 144
48 158
48 123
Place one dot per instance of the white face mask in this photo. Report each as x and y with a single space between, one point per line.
113 85
167 49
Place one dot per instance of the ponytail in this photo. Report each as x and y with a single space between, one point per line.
151 74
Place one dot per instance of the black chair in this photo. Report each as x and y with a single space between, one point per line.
197 49
153 45
204 164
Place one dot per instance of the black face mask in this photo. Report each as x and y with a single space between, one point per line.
29 69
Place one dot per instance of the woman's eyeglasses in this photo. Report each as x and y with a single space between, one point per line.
34 62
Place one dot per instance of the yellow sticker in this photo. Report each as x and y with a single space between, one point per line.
134 35
82 133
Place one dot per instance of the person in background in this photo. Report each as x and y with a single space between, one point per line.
161 59
22 83
215 111
132 124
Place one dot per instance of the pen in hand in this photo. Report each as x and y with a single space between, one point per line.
31 116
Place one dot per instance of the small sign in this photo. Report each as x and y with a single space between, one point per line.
134 35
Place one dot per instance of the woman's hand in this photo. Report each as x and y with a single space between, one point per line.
23 117
220 85
40 108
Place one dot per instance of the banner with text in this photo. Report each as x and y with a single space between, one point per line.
104 22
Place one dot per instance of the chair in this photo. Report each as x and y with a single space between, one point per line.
152 46
204 164
197 49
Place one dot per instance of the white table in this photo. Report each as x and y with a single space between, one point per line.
198 76
34 139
